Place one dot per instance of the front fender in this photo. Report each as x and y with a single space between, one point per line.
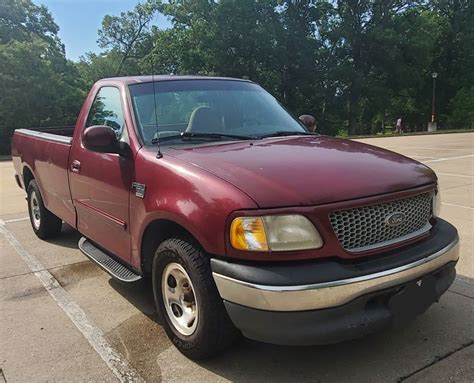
186 195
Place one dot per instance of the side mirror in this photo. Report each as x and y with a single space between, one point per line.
102 139
308 121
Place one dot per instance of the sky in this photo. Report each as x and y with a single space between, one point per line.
79 21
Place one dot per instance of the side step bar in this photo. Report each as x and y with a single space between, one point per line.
109 264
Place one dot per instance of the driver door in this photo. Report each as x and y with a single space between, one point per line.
100 182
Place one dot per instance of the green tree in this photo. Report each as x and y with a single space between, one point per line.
93 67
271 42
124 35
454 53
461 108
39 86
356 65
20 20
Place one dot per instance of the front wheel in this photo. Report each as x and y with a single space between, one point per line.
193 314
44 223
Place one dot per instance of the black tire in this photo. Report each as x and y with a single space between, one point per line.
214 330
44 223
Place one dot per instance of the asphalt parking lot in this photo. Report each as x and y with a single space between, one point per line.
64 319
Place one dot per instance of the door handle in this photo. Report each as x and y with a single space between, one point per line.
75 166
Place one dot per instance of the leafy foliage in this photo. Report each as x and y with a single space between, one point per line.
461 108
357 65
125 34
39 86
21 19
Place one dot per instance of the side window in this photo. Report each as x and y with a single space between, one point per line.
107 110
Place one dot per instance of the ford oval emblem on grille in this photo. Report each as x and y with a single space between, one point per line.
394 219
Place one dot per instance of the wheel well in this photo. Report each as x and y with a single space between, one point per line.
156 232
27 176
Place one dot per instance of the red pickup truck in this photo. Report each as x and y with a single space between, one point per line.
246 221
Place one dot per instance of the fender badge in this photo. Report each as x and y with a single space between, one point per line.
139 189
419 283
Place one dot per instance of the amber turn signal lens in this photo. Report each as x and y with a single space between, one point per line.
248 233
274 233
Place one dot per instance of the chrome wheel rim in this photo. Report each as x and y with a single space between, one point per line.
35 210
179 298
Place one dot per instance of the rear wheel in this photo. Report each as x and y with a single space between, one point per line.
192 311
44 223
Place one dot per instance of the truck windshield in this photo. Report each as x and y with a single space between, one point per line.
208 110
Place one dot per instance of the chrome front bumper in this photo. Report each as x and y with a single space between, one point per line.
329 294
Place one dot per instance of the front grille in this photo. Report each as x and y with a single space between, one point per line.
365 228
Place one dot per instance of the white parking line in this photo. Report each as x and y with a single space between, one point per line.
462 206
420 156
423 147
17 220
454 175
92 333
449 158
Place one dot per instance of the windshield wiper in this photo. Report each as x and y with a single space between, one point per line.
197 135
191 135
282 133
165 138
216 135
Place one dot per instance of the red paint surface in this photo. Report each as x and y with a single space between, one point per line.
204 188
306 171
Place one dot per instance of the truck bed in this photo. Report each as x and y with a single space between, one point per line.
54 133
44 152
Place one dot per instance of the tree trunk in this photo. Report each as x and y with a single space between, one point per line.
119 68
353 108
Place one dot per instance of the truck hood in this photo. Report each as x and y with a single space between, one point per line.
305 171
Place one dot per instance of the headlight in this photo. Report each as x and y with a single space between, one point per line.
274 233
437 203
